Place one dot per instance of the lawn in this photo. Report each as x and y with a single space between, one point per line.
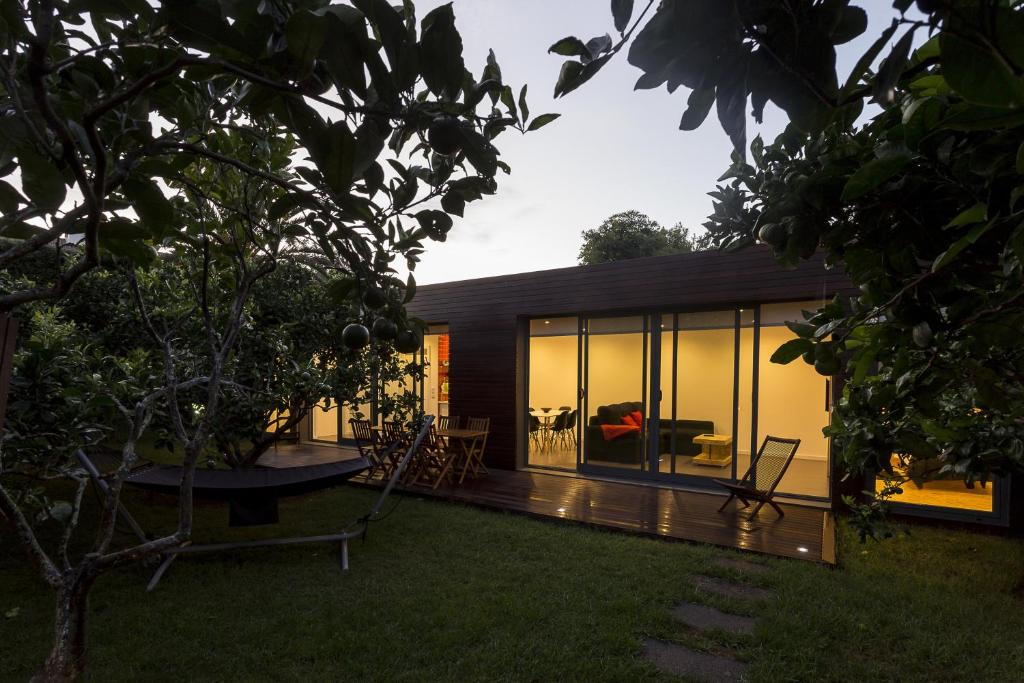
443 592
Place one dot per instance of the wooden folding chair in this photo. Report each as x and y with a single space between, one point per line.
436 462
475 454
369 446
765 472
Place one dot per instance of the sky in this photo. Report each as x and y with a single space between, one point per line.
612 150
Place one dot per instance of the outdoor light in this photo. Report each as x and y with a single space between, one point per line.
802 549
561 510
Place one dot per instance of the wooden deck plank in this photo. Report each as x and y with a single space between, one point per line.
803 533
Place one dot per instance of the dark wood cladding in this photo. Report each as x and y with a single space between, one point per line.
483 314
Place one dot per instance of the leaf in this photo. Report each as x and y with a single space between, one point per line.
509 101
872 174
541 121
1020 159
967 240
698 105
453 202
41 180
340 289
574 74
523 109
441 52
410 289
305 33
866 60
12 613
852 22
598 45
791 350
149 202
892 68
622 12
975 214
9 198
570 46
977 74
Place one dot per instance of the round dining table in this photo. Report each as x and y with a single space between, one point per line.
546 417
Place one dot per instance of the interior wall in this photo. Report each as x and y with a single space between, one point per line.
553 371
615 366
791 397
704 377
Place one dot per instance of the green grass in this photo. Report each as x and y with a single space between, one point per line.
443 592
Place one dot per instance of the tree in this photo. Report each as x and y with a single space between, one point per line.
920 206
631 234
138 127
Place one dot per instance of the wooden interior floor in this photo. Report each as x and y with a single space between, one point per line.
805 533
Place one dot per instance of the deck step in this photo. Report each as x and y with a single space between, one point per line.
700 666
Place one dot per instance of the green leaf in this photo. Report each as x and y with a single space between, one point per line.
41 180
791 350
9 198
574 74
970 238
508 99
149 202
410 289
975 214
340 290
523 109
622 12
978 74
541 121
892 68
570 46
453 202
872 174
441 52
1020 159
305 33
698 105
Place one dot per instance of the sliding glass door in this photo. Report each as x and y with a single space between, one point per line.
615 393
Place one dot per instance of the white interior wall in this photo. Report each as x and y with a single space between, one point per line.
553 371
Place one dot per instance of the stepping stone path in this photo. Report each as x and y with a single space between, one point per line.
705 618
730 589
679 660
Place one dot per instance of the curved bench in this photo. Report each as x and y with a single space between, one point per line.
252 493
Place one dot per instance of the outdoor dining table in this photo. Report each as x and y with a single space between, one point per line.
472 448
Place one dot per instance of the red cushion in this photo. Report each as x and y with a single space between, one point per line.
638 418
628 420
612 432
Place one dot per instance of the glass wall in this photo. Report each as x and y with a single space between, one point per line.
324 422
552 392
697 406
945 491
615 422
793 403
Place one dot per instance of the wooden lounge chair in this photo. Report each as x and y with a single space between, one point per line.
766 471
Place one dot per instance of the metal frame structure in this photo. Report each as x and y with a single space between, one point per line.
358 530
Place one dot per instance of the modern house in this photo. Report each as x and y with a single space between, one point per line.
558 358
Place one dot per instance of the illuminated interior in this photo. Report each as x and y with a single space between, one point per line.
943 492
554 352
436 383
706 406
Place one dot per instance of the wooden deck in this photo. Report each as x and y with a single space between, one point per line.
805 533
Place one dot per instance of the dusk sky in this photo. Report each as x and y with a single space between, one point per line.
612 150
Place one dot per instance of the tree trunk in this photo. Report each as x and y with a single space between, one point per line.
66 661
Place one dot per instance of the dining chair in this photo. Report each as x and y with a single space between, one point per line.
436 462
475 456
367 445
448 422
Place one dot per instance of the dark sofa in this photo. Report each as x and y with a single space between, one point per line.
626 449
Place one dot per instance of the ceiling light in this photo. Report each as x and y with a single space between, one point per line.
547 322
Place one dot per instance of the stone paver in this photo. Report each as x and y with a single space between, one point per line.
729 589
740 565
705 618
681 661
